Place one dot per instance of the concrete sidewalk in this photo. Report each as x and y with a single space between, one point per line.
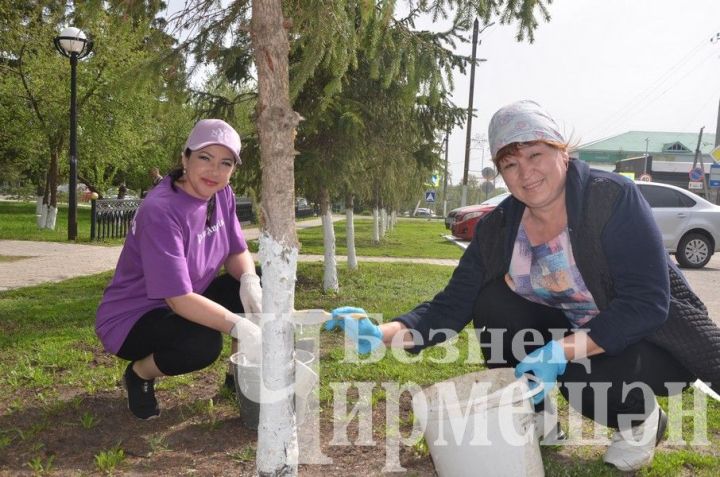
45 262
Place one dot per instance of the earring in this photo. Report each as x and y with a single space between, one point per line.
184 171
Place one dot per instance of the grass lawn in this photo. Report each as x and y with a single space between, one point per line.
18 223
62 411
410 238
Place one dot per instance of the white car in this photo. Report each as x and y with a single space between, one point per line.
690 225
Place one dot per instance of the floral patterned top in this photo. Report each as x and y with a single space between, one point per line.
547 274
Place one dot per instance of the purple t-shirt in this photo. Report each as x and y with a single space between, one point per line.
170 251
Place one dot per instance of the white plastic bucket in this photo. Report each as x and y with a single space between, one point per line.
248 380
480 424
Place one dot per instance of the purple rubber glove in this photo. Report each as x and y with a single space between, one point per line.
365 334
546 363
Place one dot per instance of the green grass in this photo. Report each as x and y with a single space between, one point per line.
410 238
19 223
48 340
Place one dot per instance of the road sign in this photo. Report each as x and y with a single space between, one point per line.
645 178
430 196
715 153
714 175
487 187
695 185
696 174
488 173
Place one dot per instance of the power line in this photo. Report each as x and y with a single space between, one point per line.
644 98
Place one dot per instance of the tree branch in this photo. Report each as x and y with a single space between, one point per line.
33 102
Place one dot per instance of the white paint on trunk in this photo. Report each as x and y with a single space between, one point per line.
38 205
376 231
51 217
277 415
42 217
383 224
330 278
393 218
350 233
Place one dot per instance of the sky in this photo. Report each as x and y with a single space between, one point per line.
601 68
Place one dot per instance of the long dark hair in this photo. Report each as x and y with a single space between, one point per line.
177 173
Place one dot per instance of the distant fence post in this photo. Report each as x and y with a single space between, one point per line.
93 219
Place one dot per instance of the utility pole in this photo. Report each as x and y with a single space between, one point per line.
716 39
445 178
698 156
463 201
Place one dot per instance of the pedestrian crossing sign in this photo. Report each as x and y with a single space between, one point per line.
430 196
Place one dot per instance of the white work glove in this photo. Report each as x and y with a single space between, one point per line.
249 338
250 293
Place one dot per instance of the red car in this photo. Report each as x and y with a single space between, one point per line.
465 220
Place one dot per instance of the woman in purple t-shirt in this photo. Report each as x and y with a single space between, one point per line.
166 308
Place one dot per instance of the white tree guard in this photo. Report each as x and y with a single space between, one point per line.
330 278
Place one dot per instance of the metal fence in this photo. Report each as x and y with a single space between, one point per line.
112 218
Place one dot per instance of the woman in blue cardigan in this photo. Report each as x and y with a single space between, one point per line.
575 260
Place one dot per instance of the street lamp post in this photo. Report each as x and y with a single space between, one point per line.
73 44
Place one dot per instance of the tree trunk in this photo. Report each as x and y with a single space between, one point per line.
350 231
49 212
277 451
330 279
376 227
381 221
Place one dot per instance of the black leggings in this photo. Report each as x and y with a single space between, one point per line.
498 308
178 345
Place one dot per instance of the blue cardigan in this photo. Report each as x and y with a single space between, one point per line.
633 303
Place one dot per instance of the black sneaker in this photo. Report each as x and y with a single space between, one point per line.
141 395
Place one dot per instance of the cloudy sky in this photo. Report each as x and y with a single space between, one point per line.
601 67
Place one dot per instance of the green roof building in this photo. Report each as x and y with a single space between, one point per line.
662 146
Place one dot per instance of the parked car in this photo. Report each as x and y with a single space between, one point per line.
423 212
690 225
466 218
450 217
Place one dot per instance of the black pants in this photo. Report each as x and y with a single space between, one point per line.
178 345
498 308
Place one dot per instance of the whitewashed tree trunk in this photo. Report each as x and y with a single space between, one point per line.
350 233
38 205
393 218
330 278
383 223
42 218
376 227
51 217
277 449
